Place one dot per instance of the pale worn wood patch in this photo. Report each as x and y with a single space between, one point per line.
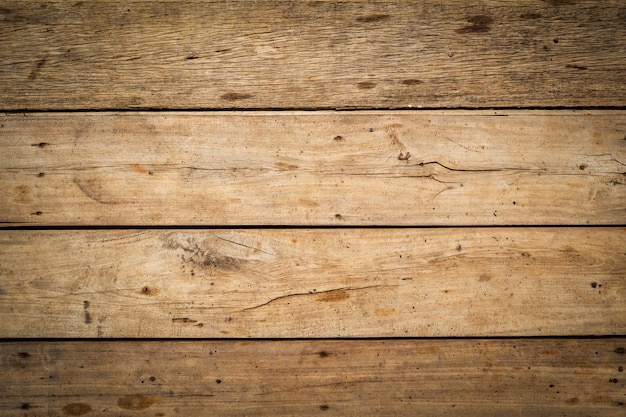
313 283
541 377
314 168
311 54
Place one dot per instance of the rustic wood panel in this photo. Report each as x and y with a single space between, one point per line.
311 54
545 377
314 168
313 283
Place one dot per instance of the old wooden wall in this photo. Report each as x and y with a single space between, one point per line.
312 208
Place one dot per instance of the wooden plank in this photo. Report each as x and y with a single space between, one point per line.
313 282
314 168
545 377
311 54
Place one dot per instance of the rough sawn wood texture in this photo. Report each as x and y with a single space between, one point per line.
314 168
517 377
361 208
313 283
311 54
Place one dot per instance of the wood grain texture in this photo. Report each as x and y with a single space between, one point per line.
311 54
313 282
314 168
545 377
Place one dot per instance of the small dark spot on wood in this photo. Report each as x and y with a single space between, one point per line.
594 284
87 315
555 40
285 166
40 144
236 96
578 67
183 320
412 82
191 57
324 407
222 50
551 385
620 369
619 403
78 3
25 406
76 409
459 247
145 290
152 379
218 381
23 355
150 173
371 129
619 350
135 402
323 354
530 16
138 169
514 203
35 71
484 278
614 380
560 2
582 167
338 138
478 24
372 18
37 213
572 401
403 157
366 85
525 254
41 174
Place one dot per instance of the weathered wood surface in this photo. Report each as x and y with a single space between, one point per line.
313 282
311 54
314 168
544 377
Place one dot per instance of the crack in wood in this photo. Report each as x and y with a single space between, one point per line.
316 293
245 246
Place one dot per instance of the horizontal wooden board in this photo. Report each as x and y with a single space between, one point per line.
313 282
545 377
314 168
311 54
